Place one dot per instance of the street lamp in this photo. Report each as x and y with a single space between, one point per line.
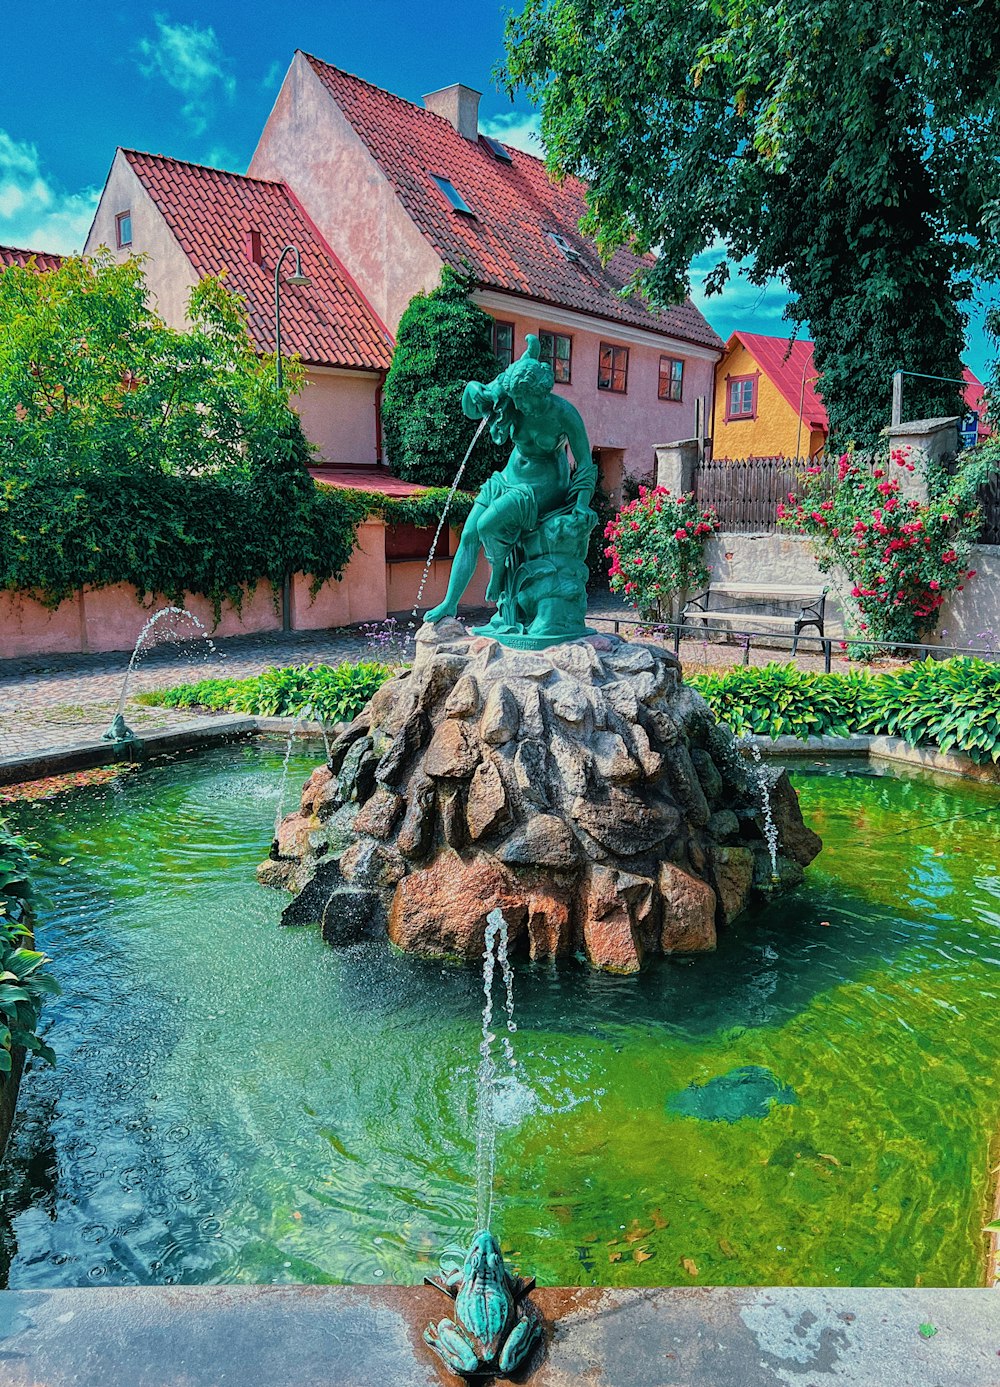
297 278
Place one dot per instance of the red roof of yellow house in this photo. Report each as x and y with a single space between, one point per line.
40 260
211 213
505 237
789 366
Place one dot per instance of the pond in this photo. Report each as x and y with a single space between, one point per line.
237 1102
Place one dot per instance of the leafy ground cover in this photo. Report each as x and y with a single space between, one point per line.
326 693
950 704
23 982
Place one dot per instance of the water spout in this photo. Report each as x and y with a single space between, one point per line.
279 802
440 524
119 730
496 951
760 775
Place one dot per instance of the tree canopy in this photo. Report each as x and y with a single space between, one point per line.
849 147
443 341
91 375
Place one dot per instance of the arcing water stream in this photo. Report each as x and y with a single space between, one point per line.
441 522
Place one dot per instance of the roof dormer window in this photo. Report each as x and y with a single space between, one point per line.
454 197
498 150
568 249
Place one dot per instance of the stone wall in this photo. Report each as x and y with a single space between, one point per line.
967 618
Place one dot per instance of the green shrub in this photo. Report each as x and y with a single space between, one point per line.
442 342
782 701
131 452
324 693
23 983
951 704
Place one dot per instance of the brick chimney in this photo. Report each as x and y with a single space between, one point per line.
459 105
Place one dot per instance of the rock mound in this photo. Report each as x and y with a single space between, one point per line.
585 790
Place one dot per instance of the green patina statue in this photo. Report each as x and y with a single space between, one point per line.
491 1332
533 520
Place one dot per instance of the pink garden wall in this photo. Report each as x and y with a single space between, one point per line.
103 619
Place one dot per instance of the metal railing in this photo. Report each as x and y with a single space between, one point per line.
765 639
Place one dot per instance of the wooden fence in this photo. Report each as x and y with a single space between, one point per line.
989 499
745 492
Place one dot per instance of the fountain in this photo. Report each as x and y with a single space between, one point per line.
532 786
119 731
494 1330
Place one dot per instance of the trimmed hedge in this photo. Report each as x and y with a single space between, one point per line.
216 535
953 705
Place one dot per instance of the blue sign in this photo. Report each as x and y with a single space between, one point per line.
968 429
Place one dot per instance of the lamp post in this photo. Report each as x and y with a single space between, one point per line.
297 278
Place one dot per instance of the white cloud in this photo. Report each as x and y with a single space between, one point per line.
34 212
191 61
516 128
272 78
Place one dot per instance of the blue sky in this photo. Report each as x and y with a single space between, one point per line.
198 82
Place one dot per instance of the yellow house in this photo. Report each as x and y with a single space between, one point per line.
766 403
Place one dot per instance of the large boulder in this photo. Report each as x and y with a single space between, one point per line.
584 790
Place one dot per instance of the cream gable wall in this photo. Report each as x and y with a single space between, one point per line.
170 276
310 145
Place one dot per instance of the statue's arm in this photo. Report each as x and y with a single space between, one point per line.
584 478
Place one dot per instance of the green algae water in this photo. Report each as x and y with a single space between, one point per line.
236 1102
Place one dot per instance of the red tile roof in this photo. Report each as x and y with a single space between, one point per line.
504 245
974 396
786 367
210 212
12 255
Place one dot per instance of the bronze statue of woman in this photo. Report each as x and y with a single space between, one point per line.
532 519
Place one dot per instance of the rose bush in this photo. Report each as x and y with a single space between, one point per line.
902 555
657 549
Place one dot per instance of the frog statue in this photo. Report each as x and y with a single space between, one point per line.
532 519
491 1332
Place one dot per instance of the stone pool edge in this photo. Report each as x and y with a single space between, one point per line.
368 1336
216 731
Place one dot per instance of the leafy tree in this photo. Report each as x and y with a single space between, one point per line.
850 149
443 341
91 375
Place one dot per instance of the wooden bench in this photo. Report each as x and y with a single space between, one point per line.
790 606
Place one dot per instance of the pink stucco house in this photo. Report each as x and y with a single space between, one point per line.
400 190
379 194
191 221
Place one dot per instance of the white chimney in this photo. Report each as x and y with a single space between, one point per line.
459 105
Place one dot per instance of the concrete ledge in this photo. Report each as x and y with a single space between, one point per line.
82 756
787 747
927 759
364 1336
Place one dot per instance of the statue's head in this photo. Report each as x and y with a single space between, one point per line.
529 383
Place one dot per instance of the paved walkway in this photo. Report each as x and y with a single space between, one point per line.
55 700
